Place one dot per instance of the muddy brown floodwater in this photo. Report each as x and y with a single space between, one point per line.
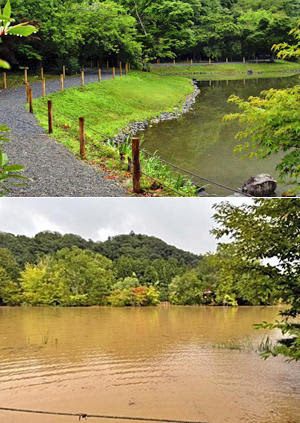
195 363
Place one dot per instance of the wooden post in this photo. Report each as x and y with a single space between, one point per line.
82 78
50 117
4 81
126 68
42 73
191 61
25 76
27 91
244 60
209 61
114 72
64 71
30 100
226 59
61 82
81 137
99 74
44 87
136 165
120 68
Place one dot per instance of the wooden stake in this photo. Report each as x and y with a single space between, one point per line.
99 74
226 59
64 71
136 165
191 61
174 61
120 68
27 91
114 72
50 117
209 61
82 78
25 76
244 60
61 82
42 73
81 137
30 100
4 81
44 87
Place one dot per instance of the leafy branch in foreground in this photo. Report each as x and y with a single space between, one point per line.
7 171
269 230
273 126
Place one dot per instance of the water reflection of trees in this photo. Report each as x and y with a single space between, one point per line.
123 333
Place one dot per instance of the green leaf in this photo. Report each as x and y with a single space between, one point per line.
4 64
22 30
7 10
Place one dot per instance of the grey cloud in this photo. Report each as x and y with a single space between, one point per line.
184 223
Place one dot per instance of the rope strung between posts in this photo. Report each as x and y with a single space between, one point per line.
194 174
178 168
95 416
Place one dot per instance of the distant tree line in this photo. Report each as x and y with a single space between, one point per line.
77 31
66 270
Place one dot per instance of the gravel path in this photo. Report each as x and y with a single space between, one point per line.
55 172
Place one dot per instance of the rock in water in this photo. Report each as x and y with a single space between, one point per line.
260 186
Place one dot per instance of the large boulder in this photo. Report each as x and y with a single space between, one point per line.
260 186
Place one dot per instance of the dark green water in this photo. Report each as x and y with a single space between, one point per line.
200 142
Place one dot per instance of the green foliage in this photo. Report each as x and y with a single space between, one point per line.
269 230
134 296
69 277
272 127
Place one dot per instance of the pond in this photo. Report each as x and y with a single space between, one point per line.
202 143
196 363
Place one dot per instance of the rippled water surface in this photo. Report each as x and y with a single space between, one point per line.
202 143
170 362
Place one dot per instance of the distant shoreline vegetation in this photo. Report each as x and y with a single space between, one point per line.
126 270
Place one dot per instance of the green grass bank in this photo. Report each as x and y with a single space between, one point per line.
110 106
229 71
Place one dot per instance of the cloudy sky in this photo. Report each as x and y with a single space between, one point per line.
184 223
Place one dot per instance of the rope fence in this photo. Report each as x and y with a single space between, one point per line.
96 416
175 167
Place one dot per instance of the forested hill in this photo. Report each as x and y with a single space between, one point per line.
30 250
74 32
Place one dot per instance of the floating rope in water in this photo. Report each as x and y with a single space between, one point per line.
96 416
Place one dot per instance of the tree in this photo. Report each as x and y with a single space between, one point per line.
272 122
269 230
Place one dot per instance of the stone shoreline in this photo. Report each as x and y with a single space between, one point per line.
135 127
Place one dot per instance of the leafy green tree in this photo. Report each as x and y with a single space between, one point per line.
187 289
10 293
134 296
269 230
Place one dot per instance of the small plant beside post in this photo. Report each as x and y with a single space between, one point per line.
50 117
136 176
4 81
82 137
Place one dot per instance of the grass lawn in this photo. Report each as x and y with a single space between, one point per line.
220 72
109 107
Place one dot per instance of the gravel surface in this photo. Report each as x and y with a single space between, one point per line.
55 172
